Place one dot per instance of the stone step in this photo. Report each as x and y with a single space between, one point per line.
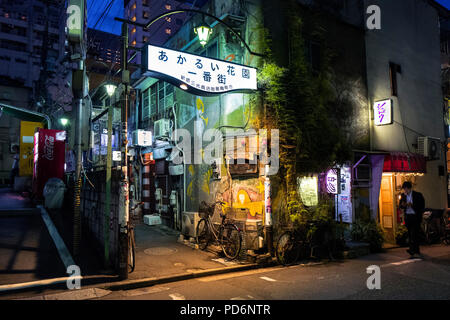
356 249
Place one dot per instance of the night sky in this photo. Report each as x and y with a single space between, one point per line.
96 7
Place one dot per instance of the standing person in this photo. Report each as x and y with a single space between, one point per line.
413 204
15 166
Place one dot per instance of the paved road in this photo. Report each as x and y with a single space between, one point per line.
27 252
401 278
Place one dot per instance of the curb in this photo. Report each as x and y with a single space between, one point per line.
140 283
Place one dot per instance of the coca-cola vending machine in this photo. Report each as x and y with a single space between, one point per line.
49 158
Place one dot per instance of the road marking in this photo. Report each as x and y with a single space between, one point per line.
238 274
84 294
139 292
59 243
399 263
38 283
268 279
177 296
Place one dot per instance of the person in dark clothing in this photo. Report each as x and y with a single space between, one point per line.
413 204
15 166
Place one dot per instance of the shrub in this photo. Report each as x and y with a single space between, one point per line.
368 231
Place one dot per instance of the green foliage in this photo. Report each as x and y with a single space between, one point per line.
302 104
401 236
368 231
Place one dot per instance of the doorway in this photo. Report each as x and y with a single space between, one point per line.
387 207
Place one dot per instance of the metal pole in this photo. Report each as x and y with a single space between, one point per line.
108 184
78 142
268 212
124 195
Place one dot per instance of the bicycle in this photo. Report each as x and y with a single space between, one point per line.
434 226
228 235
132 243
295 244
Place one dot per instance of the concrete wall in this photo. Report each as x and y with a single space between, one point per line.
409 36
93 214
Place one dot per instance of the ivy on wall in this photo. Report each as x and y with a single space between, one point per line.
301 102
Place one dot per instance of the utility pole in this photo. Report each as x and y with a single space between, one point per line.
75 25
124 194
108 182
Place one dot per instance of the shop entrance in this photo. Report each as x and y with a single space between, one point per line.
388 207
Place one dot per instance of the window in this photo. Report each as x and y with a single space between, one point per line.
168 19
133 19
133 30
144 39
157 98
168 7
145 15
145 3
393 70
168 30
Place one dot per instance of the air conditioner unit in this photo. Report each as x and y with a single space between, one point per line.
429 147
162 128
142 138
189 223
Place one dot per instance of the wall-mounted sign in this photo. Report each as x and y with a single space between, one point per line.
308 189
197 74
383 112
333 181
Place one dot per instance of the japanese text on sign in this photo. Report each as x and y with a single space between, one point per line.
383 112
205 74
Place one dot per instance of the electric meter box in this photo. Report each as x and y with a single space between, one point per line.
142 138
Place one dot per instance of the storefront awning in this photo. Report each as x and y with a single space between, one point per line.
405 162
25 114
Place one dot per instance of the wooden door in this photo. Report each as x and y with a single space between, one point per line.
387 208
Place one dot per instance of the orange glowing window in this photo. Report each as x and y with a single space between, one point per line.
168 31
168 7
133 19
134 6
133 30
133 43
168 19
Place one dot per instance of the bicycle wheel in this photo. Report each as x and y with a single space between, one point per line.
202 232
131 252
287 249
231 241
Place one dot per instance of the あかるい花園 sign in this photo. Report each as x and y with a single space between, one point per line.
198 74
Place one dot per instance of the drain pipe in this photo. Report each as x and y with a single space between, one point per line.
175 138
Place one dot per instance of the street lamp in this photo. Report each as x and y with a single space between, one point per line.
203 31
64 121
110 89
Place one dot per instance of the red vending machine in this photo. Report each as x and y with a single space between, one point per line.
49 158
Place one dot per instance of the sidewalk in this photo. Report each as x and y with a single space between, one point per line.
160 253
27 251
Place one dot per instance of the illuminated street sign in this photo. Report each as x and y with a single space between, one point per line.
383 112
197 74
333 181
